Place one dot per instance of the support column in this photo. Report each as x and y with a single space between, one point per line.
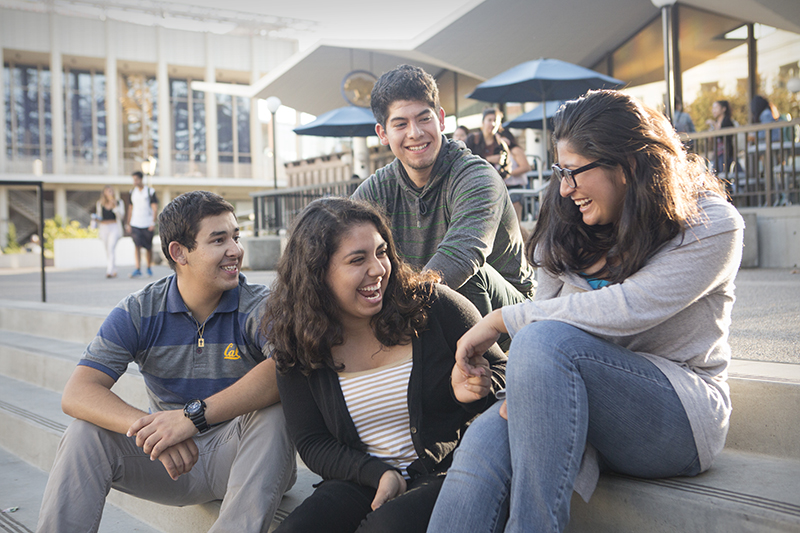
360 158
60 202
57 97
676 55
164 197
164 108
752 68
212 148
3 140
667 31
256 136
4 216
112 103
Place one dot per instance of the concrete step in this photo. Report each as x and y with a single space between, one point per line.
48 363
752 487
32 423
21 496
743 493
70 323
766 403
766 396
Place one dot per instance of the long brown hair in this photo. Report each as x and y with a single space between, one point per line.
663 184
301 320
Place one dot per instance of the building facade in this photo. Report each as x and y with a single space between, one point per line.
88 100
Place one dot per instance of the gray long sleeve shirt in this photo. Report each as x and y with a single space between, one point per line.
675 311
461 220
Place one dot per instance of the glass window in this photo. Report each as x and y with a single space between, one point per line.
243 128
26 96
139 118
225 127
198 130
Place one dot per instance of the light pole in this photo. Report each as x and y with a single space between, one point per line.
273 104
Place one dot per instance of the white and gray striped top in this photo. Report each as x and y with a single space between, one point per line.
377 400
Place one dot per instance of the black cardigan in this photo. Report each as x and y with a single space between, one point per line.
325 436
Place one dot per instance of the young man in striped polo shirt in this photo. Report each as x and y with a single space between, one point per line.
215 428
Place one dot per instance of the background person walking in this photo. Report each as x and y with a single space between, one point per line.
109 213
141 224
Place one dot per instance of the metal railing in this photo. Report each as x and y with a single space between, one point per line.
275 210
760 163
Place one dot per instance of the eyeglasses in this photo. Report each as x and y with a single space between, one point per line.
569 175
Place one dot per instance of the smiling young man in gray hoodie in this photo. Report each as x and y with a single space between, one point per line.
449 209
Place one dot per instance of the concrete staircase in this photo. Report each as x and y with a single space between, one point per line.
754 485
40 345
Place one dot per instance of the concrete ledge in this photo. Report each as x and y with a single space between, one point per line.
745 493
56 321
263 253
21 260
750 251
778 235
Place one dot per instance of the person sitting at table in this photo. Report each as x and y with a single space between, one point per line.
365 351
517 177
762 111
461 134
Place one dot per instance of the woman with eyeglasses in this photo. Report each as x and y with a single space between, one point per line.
619 364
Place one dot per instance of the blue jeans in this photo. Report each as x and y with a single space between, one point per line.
565 388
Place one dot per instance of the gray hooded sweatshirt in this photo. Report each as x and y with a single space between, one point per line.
461 220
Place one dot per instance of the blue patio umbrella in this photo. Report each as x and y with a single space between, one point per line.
541 80
348 121
533 119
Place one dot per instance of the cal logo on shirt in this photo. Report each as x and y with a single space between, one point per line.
232 352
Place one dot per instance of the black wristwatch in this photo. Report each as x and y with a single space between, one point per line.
195 410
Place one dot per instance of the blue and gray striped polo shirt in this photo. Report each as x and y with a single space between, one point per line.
154 329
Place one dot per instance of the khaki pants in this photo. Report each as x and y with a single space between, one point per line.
248 463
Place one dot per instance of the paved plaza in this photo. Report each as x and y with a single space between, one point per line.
766 316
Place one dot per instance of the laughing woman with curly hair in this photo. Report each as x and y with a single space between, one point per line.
365 351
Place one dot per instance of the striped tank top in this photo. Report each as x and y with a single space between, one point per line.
377 400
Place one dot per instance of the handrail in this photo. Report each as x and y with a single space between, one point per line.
40 191
756 172
274 210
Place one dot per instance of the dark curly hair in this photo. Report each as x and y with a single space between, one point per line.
663 184
405 82
301 320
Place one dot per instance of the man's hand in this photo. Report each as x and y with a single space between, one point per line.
157 432
180 458
469 388
391 485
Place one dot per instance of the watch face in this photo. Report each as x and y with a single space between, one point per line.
193 407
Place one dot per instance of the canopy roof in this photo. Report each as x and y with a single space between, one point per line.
491 37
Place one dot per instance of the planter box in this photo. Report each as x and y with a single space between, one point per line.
89 253
23 260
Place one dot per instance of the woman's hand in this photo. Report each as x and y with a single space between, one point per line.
471 388
391 485
476 341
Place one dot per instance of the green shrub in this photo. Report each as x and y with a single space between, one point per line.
13 246
55 228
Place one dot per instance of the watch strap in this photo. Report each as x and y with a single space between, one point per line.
198 418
